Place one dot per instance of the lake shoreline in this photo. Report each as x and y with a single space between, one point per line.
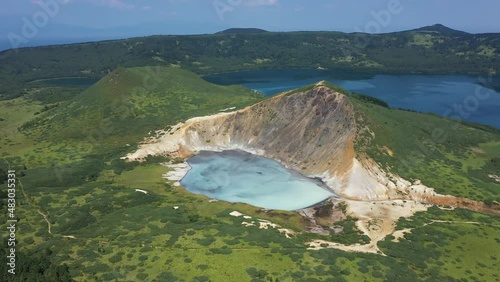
296 179
427 93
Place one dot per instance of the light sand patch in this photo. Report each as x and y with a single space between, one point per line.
455 222
376 219
235 213
227 109
266 225
322 244
399 234
447 208
477 150
247 224
177 171
288 233
494 177
389 151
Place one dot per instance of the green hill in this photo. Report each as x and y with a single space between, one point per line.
130 102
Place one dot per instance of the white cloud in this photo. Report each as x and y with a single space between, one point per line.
258 3
117 4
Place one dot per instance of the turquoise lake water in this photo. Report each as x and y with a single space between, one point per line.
237 176
439 94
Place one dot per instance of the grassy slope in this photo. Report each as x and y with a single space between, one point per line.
128 103
444 154
61 125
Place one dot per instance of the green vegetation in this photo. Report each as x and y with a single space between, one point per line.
453 157
35 267
439 239
142 99
434 49
71 179
370 99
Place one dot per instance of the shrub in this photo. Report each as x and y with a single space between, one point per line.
116 258
143 258
371 100
255 273
222 251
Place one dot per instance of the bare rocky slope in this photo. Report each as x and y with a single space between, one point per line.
312 131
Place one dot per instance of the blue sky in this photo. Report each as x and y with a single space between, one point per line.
85 20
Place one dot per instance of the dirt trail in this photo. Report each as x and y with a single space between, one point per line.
45 217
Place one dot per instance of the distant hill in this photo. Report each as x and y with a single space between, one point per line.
441 29
434 49
241 31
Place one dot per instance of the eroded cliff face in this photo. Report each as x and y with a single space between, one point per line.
312 132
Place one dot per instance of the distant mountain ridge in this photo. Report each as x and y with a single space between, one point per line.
241 31
434 49
439 28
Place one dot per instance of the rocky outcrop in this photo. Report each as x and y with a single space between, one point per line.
311 131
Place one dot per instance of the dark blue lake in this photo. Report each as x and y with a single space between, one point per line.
457 96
